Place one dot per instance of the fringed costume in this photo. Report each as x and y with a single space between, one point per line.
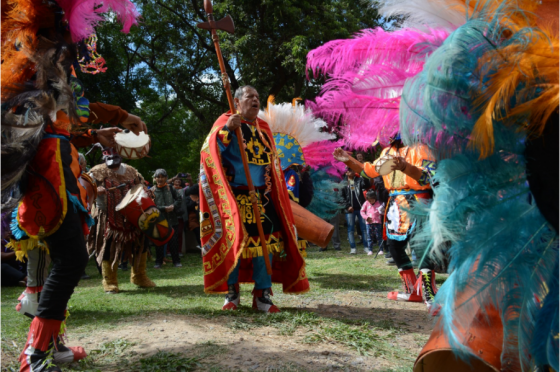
232 252
113 236
42 106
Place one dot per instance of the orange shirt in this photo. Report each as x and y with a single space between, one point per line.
419 156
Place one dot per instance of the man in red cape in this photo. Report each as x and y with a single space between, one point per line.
231 247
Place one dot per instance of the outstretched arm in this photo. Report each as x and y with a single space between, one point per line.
342 156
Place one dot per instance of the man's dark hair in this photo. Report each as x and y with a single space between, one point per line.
160 172
239 91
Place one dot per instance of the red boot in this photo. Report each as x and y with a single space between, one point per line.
411 285
38 351
262 301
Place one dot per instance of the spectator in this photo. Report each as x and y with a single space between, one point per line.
372 212
353 197
191 211
168 202
335 221
360 157
178 186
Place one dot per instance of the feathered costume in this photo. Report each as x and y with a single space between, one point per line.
481 103
302 139
361 99
114 237
227 215
41 105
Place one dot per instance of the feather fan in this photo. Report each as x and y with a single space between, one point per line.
310 132
317 146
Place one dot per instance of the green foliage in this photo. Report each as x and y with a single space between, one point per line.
166 70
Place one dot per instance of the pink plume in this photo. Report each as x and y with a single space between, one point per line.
366 78
84 15
319 154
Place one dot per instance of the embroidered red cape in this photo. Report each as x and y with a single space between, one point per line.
222 232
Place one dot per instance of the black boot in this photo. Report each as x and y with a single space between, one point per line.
429 289
232 298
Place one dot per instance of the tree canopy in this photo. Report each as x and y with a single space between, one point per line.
166 70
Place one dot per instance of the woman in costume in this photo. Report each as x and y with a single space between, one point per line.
41 105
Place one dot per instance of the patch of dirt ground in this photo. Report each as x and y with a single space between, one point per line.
266 349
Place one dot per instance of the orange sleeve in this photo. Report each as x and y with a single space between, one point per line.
80 140
369 170
102 113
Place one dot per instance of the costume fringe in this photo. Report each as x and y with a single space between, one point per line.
252 252
21 247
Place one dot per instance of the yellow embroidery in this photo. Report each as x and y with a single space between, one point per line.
246 209
255 149
226 138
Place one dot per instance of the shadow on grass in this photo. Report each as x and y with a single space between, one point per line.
376 282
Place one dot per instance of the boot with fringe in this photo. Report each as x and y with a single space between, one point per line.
110 282
138 274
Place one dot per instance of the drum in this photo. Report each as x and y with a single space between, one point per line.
132 146
139 209
384 164
91 189
483 336
310 227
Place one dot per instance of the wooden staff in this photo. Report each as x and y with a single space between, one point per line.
226 24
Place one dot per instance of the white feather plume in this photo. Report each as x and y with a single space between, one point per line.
296 121
424 14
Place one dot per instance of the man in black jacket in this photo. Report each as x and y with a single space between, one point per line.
353 196
168 201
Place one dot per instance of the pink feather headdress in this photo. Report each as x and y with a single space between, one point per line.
366 77
84 15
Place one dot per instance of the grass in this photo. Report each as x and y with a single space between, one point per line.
335 277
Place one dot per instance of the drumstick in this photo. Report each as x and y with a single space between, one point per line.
116 187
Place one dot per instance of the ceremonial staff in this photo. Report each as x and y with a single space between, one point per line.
226 24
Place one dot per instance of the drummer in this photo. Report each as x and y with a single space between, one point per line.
232 251
407 180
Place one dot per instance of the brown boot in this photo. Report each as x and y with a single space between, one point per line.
110 282
138 273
